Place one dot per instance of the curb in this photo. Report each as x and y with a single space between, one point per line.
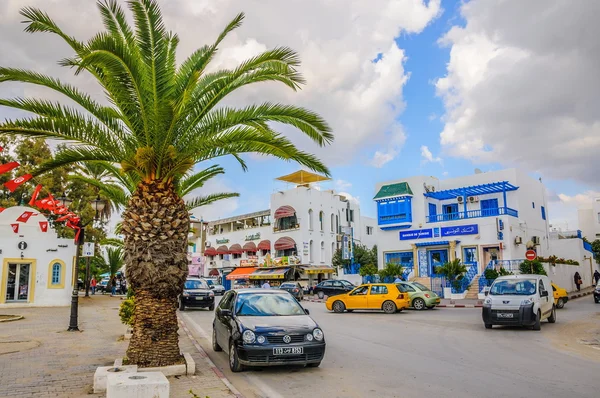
459 306
577 295
210 363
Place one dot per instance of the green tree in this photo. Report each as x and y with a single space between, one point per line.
362 255
453 271
368 270
534 267
162 120
391 270
596 250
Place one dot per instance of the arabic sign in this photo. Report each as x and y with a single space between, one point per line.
221 241
471 229
251 261
253 236
417 234
345 248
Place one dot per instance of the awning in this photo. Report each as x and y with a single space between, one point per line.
394 190
303 177
285 243
323 269
274 273
481 189
249 247
210 251
222 250
284 211
213 272
436 243
264 245
235 249
241 273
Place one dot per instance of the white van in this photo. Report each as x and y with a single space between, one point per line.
520 300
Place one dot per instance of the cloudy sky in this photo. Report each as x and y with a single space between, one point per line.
409 86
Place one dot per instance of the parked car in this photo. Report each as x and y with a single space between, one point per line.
219 290
333 288
519 300
420 296
196 293
597 293
294 288
266 327
560 296
380 296
102 286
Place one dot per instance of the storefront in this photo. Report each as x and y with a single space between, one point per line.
317 273
238 278
275 276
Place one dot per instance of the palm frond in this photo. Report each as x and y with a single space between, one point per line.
112 242
208 199
197 180
73 155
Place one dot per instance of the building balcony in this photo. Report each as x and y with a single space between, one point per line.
287 228
462 215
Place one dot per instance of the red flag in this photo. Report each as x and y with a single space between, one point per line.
1 149
43 204
15 228
4 168
44 226
65 217
1 209
25 216
14 184
36 192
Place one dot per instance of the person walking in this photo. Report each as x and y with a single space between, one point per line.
113 286
577 280
124 286
397 280
93 284
266 285
596 277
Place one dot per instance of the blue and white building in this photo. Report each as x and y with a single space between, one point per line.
424 222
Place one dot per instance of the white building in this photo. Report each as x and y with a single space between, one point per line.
589 220
294 239
37 266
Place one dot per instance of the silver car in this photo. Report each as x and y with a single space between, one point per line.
218 290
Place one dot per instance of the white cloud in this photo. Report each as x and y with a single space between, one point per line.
562 208
336 40
354 199
428 156
525 94
395 143
342 184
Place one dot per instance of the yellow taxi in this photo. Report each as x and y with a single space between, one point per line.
384 297
560 296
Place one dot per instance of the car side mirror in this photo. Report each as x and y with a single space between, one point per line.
306 311
486 291
211 287
226 313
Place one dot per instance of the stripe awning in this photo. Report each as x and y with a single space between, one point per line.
240 273
322 269
210 251
436 243
222 250
285 243
213 272
275 273
284 211
264 245
249 247
235 249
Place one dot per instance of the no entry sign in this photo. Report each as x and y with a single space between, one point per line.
530 255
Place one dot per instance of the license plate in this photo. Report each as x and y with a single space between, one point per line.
199 298
288 350
503 315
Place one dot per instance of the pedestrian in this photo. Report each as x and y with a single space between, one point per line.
577 280
113 286
124 286
596 277
397 280
93 284
266 285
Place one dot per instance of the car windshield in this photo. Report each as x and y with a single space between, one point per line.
421 287
346 283
287 285
253 304
516 287
209 282
193 284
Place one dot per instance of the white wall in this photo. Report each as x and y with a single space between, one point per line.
572 249
43 248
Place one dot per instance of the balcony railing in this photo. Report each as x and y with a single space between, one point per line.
462 215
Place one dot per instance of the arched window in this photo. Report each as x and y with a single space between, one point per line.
56 274
332 223
321 221
332 249
310 219
56 271
310 252
322 251
337 224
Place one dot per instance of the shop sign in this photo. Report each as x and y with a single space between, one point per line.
251 261
345 248
280 261
417 234
252 236
222 241
471 229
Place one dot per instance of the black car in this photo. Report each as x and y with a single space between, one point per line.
333 288
597 294
196 293
294 288
266 327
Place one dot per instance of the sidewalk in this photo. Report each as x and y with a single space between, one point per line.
39 358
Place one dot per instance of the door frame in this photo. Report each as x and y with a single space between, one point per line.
485 263
430 262
32 278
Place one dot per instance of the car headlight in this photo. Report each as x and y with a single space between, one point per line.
318 334
259 339
527 301
249 337
488 301
186 294
309 337
211 294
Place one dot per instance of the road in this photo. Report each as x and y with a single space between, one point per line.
442 352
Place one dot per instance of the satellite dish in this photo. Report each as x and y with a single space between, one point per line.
478 171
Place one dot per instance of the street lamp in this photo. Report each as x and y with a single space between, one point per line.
66 202
98 205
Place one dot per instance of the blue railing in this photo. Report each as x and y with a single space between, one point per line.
351 269
377 279
438 282
461 215
508 265
483 283
587 246
406 271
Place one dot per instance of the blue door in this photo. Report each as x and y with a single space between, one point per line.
450 211
437 258
489 208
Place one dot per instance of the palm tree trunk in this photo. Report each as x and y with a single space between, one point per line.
156 226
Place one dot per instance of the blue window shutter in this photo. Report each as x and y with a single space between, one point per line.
543 213
432 210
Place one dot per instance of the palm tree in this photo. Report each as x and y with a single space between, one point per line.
162 120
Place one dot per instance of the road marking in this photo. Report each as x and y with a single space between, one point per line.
198 328
263 387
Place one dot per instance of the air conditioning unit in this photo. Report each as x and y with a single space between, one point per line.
212 263
518 240
339 238
460 199
473 199
535 240
207 244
